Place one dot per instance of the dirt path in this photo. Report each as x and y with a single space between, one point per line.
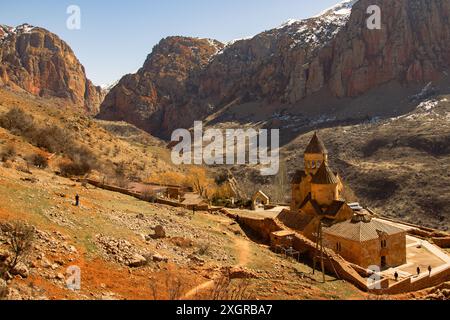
242 247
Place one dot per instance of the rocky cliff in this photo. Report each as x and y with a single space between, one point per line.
37 61
333 54
168 78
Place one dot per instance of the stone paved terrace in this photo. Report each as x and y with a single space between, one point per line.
422 254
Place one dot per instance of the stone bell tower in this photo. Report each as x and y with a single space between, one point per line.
315 155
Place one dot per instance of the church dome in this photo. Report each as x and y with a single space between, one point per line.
324 176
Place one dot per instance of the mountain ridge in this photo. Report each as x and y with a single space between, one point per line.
333 54
37 61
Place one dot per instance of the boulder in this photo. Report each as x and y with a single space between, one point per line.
137 261
4 255
160 258
160 232
21 270
140 216
3 289
196 259
242 273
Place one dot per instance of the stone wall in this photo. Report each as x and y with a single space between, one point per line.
369 253
139 196
416 284
443 242
324 194
350 250
262 227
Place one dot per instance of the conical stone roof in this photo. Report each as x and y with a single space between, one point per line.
316 146
324 176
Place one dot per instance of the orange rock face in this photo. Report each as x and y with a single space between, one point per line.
40 63
167 79
185 80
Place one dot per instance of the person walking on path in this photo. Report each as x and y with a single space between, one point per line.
396 276
418 271
429 270
77 200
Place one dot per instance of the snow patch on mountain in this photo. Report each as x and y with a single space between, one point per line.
342 8
6 31
320 29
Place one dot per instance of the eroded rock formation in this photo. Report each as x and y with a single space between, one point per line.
39 62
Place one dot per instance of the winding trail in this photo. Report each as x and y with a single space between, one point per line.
242 247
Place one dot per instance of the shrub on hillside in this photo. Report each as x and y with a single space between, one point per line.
149 195
8 152
74 168
51 138
38 160
17 121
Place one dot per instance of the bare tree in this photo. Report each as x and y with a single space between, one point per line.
172 286
20 238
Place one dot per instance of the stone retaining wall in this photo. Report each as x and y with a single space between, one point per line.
139 195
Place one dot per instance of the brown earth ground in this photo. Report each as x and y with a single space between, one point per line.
115 215
108 228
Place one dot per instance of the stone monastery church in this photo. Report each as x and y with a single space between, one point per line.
353 232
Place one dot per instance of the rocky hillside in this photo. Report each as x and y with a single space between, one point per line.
328 57
37 61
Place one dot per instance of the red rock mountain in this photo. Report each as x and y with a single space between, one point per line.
331 55
37 61
169 77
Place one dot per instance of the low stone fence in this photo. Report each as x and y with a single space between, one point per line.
440 238
169 203
114 188
411 284
443 242
138 195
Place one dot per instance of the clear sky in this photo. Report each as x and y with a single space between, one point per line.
116 36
